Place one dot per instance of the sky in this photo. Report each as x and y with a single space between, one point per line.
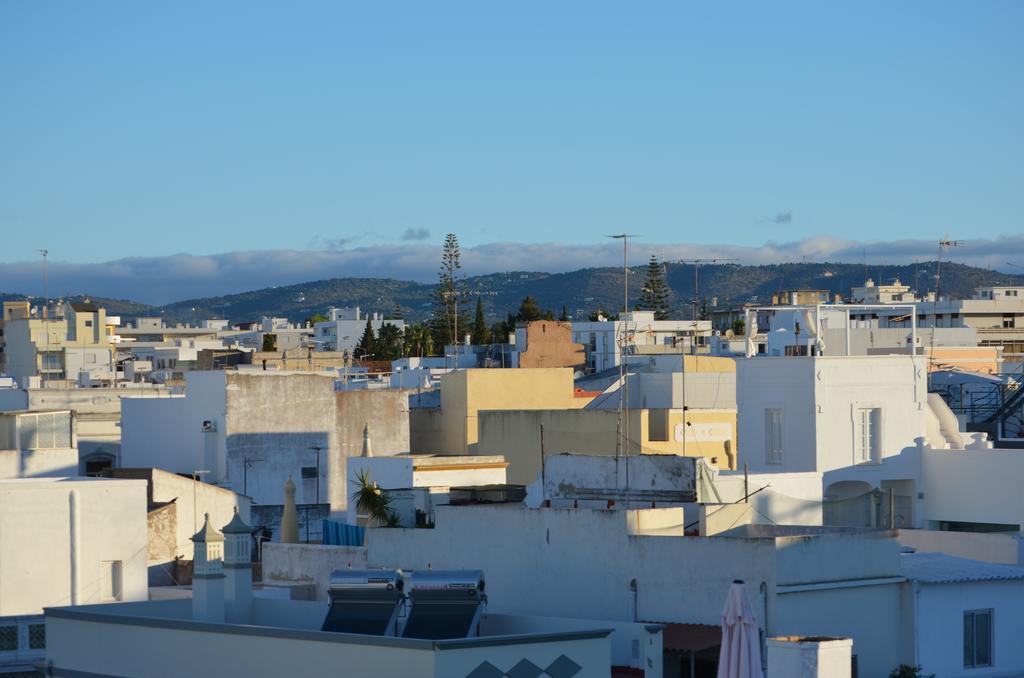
217 130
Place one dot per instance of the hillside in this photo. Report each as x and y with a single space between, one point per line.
580 291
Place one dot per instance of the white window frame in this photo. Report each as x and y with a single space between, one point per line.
774 434
877 426
112 573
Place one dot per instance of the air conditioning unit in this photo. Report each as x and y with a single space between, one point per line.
209 426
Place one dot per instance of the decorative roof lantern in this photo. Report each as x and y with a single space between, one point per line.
207 551
237 542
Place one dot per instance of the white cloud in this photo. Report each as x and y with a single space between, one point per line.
175 277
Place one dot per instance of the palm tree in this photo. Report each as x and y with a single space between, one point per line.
373 502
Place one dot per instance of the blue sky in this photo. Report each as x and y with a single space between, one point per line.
148 129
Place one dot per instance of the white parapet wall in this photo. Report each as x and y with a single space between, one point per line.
808 657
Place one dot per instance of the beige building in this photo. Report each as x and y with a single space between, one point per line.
452 427
516 434
57 349
548 343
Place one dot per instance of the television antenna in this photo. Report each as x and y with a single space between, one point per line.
696 298
623 424
944 244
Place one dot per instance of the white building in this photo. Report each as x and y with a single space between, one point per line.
253 430
37 444
638 331
65 541
968 616
345 327
889 453
225 630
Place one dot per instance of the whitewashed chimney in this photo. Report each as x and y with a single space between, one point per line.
207 574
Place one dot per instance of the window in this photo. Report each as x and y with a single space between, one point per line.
309 472
773 436
88 323
37 636
868 422
8 638
110 580
1009 321
977 638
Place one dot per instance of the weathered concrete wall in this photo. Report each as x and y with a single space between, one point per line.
162 527
386 413
516 435
309 564
427 432
274 422
549 344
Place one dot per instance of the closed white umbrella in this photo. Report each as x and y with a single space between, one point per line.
741 645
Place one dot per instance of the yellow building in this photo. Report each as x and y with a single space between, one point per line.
654 423
452 428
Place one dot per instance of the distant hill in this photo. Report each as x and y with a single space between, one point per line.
579 291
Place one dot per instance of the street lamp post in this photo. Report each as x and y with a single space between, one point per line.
195 481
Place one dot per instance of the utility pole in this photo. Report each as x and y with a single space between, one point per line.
944 244
623 383
46 314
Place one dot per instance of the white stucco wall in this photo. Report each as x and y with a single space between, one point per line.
818 397
38 463
973 486
550 561
37 562
940 631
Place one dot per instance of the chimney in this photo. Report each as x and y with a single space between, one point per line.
290 516
367 449
207 574
237 571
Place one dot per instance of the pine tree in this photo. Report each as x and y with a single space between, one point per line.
481 335
529 311
655 296
448 321
565 315
367 346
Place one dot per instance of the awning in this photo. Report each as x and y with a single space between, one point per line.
690 638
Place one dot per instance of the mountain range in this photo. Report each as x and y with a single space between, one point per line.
580 291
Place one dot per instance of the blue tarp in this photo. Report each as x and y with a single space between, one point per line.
342 534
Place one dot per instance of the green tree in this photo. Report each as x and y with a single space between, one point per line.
269 342
656 294
316 318
449 314
529 311
738 326
565 315
367 346
419 341
390 342
481 334
396 313
908 671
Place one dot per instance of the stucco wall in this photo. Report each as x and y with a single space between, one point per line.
386 412
309 563
516 434
940 630
990 548
278 419
973 486
36 528
549 344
